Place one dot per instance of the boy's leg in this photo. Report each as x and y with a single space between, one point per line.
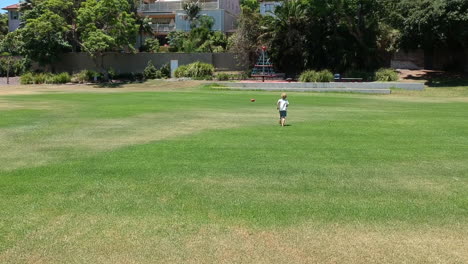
283 120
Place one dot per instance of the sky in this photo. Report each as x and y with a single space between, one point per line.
4 3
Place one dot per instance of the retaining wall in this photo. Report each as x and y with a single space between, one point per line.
126 63
331 85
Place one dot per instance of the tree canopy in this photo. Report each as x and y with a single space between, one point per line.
350 34
3 25
51 27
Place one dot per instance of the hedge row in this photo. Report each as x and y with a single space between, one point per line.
382 75
40 78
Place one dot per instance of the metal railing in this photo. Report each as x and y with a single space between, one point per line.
163 27
163 6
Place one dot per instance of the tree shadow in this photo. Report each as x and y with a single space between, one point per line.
439 78
115 85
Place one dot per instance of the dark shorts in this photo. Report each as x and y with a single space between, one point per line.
282 114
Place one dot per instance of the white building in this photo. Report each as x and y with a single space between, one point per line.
268 8
168 15
13 16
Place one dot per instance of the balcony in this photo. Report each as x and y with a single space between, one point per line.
164 28
172 6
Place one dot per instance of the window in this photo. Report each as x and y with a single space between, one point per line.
269 8
14 15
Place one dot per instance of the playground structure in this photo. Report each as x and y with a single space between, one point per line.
263 68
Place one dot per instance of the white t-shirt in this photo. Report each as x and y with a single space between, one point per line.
283 104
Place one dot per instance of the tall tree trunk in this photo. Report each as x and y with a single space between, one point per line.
429 57
8 71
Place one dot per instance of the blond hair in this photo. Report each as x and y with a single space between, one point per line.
284 95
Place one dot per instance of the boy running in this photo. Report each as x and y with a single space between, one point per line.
282 106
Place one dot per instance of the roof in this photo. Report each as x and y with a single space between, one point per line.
12 7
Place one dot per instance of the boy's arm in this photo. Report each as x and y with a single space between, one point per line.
277 105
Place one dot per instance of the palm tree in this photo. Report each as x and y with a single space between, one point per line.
286 32
143 23
192 8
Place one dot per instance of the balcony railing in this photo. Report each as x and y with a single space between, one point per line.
163 6
163 27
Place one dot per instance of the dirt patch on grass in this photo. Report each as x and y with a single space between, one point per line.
8 105
435 78
332 244
112 239
35 145
149 86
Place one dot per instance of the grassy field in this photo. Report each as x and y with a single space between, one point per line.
181 173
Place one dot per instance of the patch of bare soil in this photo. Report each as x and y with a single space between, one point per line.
159 85
434 78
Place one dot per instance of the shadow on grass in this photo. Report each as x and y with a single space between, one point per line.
441 79
116 84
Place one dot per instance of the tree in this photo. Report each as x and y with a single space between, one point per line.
287 36
192 9
151 45
144 23
431 24
252 5
176 40
201 38
3 25
10 49
106 25
245 42
48 28
332 34
44 37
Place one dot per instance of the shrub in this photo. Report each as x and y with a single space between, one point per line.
40 78
151 72
85 76
325 76
164 49
90 75
309 76
231 76
200 69
313 76
49 78
197 70
206 77
138 75
243 76
165 71
386 75
111 73
27 78
152 44
79 77
181 71
222 77
130 76
63 77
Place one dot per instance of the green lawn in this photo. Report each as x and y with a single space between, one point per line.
198 175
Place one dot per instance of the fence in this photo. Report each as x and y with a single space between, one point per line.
126 63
